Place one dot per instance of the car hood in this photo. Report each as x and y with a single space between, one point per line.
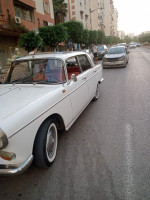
16 97
114 55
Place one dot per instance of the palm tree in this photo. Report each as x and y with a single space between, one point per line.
60 10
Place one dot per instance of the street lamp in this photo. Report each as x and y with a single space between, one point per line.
91 12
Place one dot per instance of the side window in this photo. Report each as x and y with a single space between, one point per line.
72 67
84 62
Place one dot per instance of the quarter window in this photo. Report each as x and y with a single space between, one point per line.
84 62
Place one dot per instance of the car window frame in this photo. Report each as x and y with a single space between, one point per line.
75 56
32 59
88 61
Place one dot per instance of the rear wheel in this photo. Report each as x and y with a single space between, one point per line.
96 93
45 146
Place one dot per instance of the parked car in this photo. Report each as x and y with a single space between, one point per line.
123 45
132 45
138 44
102 50
41 95
88 51
116 56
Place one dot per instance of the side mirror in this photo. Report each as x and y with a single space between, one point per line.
73 78
128 52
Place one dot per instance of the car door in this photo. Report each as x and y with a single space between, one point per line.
78 91
90 74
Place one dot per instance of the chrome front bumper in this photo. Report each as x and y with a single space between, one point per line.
11 170
114 64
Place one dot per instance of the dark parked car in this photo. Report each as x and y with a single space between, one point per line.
102 50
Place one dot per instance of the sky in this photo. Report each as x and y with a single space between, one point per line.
133 15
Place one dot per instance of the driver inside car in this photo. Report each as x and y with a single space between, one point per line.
41 73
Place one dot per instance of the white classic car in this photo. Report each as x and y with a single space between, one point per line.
41 95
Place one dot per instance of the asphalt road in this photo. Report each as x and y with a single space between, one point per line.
106 154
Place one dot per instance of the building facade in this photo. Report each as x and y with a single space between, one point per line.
115 24
79 11
27 14
121 34
94 14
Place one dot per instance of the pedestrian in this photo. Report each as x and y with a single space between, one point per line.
95 52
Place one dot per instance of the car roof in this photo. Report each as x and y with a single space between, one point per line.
58 55
114 47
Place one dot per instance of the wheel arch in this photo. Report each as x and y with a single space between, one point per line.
59 124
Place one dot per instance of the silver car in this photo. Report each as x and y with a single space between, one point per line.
117 56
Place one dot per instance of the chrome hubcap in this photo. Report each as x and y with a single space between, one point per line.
51 142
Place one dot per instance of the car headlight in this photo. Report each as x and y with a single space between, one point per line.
3 139
121 58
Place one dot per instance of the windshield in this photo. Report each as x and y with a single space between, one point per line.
116 50
100 48
39 71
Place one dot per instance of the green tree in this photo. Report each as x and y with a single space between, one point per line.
93 36
30 41
127 39
53 35
85 36
75 30
144 37
60 10
101 37
112 40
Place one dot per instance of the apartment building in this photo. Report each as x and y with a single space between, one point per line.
79 10
94 14
121 34
115 24
30 14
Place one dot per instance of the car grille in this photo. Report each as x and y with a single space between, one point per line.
112 59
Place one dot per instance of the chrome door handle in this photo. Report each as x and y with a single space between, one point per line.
84 78
94 71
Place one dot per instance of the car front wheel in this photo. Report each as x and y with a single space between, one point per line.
45 146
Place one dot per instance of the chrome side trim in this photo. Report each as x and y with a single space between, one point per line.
102 79
14 171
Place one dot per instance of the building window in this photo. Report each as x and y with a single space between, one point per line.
46 7
85 3
86 18
23 11
81 14
45 23
38 21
